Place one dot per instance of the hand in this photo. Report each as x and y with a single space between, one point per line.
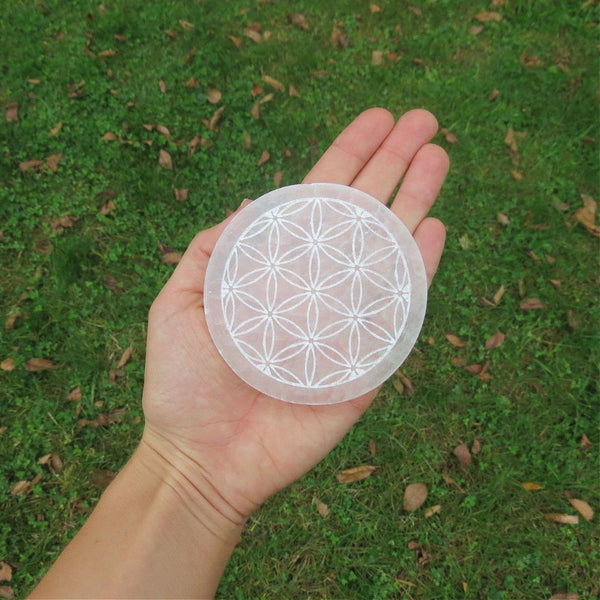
235 445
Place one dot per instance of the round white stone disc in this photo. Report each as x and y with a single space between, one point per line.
315 294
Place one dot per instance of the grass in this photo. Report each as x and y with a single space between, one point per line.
80 294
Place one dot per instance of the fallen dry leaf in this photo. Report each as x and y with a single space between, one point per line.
266 98
24 487
493 95
181 194
420 553
476 29
165 131
517 175
531 60
564 596
54 131
30 164
101 478
415 495
402 383
464 456
264 157
292 91
253 35
107 53
355 473
531 304
237 42
53 460
587 215
372 447
562 518
277 178
52 161
475 447
488 16
299 21
255 112
432 510
6 592
186 25
8 364
321 507
64 222
108 207
171 258
75 394
213 95
376 58
451 481
495 341
455 340
39 364
498 295
585 443
213 122
374 8
125 357
530 486
162 86
450 137
583 508
165 160
5 571
277 85
12 113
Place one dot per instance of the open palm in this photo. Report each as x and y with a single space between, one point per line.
198 412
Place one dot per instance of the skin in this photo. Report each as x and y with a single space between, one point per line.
213 448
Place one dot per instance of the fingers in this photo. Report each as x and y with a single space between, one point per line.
421 185
430 236
353 148
387 166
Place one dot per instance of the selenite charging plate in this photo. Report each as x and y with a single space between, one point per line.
315 293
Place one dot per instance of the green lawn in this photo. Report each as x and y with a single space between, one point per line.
84 231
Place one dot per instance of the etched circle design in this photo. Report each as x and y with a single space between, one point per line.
309 294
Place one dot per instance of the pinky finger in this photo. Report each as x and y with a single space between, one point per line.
430 236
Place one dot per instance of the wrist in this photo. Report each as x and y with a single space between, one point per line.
185 483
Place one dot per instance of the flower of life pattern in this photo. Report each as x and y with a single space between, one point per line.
315 292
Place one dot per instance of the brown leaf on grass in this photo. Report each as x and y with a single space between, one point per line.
495 341
162 86
8 364
564 596
585 443
264 157
555 282
247 140
163 130
355 473
13 315
450 137
476 29
186 25
165 160
266 98
24 487
374 8
583 508
125 357
255 112
6 592
40 364
488 16
181 194
75 395
562 518
5 571
402 383
108 207
376 58
475 447
213 122
587 215
498 295
432 510
256 90
30 164
237 42
321 507
531 60
531 304
192 82
101 478
253 35
531 486
299 21
274 83
54 131
277 178
573 320
510 139
372 447
108 53
415 495
502 219
464 456
53 461
521 286
12 113
195 142
213 95
61 223
420 553
52 161
171 258
458 361
493 95
517 175
451 481
455 340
